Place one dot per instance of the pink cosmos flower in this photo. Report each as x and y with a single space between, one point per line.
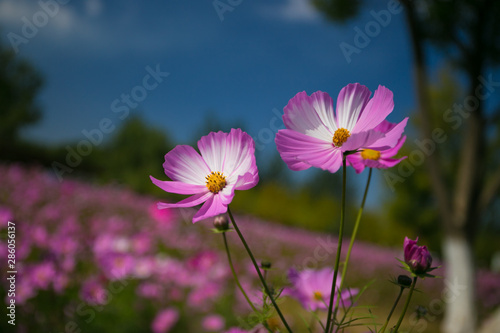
380 159
417 257
315 136
94 292
312 288
213 323
165 320
227 163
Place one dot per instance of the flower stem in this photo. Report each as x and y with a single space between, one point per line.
329 318
406 305
266 288
234 273
353 237
392 310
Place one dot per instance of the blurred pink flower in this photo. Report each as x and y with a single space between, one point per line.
213 323
165 217
94 292
226 164
150 290
312 288
381 159
165 320
315 136
117 266
42 274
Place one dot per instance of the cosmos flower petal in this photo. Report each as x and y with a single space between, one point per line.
188 202
227 194
301 115
394 150
184 164
391 137
240 157
294 146
356 161
212 207
323 105
362 139
226 163
385 126
178 187
247 181
213 149
377 109
351 101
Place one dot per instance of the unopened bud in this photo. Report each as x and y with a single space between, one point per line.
221 223
404 281
265 265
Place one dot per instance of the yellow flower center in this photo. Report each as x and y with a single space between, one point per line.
370 154
318 296
215 181
340 136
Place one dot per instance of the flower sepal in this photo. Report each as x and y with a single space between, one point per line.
423 275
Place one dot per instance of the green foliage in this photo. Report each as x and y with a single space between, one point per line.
132 155
338 10
19 84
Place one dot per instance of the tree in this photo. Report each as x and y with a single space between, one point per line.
134 153
469 31
19 85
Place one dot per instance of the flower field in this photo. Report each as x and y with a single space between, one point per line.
104 259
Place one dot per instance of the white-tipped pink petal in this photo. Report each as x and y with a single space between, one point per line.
323 105
184 164
240 157
294 146
178 187
212 207
247 181
300 115
188 202
351 101
377 109
213 150
227 194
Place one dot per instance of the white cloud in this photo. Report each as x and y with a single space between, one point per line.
293 11
93 7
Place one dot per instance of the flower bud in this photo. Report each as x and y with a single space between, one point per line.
221 223
417 257
404 281
265 265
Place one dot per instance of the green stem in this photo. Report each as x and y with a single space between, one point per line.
392 310
353 237
234 273
329 318
406 305
266 288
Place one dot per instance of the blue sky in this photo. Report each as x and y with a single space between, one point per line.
239 69
241 66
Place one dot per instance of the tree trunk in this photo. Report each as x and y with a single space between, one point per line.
456 215
458 296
